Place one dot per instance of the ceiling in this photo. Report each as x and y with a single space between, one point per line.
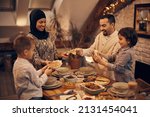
14 14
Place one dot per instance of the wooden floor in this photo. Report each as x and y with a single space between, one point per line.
7 89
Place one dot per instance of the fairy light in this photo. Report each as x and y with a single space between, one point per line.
112 7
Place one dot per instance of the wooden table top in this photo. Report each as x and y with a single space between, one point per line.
54 94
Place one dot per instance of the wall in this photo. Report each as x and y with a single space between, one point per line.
125 18
76 10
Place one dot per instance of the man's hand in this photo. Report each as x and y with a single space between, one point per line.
97 58
79 51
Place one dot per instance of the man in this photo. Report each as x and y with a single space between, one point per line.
106 42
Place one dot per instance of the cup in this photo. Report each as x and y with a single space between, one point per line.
132 85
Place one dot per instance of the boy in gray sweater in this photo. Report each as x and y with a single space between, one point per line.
28 81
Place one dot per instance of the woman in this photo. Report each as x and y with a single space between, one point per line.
45 50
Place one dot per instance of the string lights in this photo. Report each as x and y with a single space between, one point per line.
112 8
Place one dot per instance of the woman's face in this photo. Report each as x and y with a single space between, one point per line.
41 24
123 41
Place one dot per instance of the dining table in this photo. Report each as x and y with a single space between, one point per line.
142 91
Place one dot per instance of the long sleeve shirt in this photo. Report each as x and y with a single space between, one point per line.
28 81
104 44
45 50
123 66
107 45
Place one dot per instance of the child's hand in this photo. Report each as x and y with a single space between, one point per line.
98 59
48 71
44 68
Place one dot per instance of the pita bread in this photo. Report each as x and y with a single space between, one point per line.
55 64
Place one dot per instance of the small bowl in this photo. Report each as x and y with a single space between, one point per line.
70 78
93 91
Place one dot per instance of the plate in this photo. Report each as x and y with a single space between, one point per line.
102 80
124 92
57 84
51 80
130 93
55 64
120 85
87 71
63 70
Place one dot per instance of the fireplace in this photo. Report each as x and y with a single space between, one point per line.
142 71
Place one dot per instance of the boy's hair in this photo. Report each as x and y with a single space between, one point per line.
110 18
130 35
22 42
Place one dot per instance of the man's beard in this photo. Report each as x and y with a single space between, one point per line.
105 33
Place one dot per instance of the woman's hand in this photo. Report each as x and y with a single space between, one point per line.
79 51
45 62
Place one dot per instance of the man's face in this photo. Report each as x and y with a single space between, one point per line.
106 27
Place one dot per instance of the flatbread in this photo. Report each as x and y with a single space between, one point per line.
55 64
102 80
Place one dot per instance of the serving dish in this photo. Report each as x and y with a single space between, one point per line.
92 88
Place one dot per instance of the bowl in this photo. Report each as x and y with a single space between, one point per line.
70 78
93 88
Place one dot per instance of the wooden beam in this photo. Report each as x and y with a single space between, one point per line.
92 23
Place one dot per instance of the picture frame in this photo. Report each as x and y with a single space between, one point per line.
142 20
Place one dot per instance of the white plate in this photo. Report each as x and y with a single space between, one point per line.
57 84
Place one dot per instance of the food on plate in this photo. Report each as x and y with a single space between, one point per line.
69 85
92 86
70 78
109 97
88 97
78 73
102 80
55 64
90 78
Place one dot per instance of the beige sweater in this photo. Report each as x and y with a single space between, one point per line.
107 45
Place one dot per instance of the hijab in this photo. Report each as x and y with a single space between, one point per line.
35 15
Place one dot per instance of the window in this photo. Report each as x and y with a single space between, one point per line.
7 5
